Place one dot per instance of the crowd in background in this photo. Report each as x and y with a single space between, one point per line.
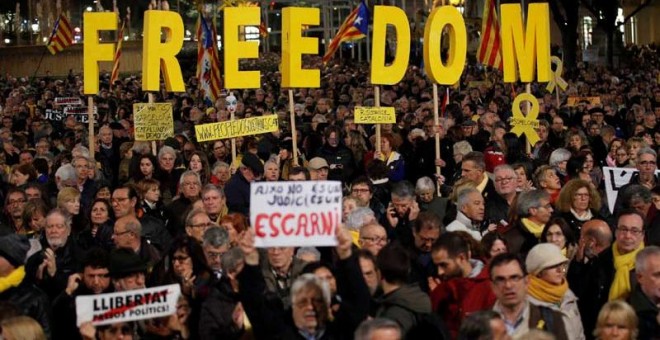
507 241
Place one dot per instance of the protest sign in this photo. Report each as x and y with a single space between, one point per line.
236 128
573 101
79 113
374 115
153 121
139 304
71 101
286 214
525 124
614 179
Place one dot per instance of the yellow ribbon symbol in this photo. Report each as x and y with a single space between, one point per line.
526 124
556 77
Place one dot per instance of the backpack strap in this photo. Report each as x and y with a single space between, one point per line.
548 318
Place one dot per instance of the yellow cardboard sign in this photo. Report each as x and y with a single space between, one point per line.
153 121
573 101
526 124
236 128
374 115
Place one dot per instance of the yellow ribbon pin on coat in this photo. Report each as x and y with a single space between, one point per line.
556 76
526 124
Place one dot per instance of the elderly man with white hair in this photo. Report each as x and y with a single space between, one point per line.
470 214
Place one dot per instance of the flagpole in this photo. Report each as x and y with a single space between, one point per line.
90 128
232 117
377 98
150 97
294 133
436 123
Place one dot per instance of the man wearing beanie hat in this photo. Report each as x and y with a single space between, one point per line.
15 288
548 286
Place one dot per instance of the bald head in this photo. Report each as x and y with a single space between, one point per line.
373 238
597 236
127 232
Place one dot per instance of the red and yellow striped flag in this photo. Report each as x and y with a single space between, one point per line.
115 67
489 48
62 36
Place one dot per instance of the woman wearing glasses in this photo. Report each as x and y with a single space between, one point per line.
548 286
578 202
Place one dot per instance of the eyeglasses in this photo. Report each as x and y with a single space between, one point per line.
302 303
632 231
561 266
215 255
201 225
504 179
427 239
647 163
180 258
501 281
375 239
119 199
360 191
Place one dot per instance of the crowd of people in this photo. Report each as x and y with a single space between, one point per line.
507 241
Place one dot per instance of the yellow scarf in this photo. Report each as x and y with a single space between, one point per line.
623 264
546 291
12 280
533 227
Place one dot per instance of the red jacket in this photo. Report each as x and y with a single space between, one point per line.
459 297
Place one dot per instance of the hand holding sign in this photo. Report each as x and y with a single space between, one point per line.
526 124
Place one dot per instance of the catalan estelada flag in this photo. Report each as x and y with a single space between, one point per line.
115 66
62 36
208 65
489 48
355 27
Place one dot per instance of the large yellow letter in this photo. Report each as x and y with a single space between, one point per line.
439 73
235 49
93 51
156 54
522 48
392 74
294 45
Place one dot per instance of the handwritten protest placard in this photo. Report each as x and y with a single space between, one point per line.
153 121
374 115
286 214
139 304
236 128
573 101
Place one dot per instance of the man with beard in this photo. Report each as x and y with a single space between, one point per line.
94 279
465 285
59 257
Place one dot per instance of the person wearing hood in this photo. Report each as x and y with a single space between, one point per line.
464 283
548 286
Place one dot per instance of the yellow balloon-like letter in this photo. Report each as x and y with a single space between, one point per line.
294 45
235 49
382 74
522 48
451 73
93 51
156 54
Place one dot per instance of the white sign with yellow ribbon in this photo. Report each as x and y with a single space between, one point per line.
556 79
526 124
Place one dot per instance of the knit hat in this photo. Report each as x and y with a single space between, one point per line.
14 249
124 262
543 256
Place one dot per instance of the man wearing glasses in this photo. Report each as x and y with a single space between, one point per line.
607 278
509 283
124 200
